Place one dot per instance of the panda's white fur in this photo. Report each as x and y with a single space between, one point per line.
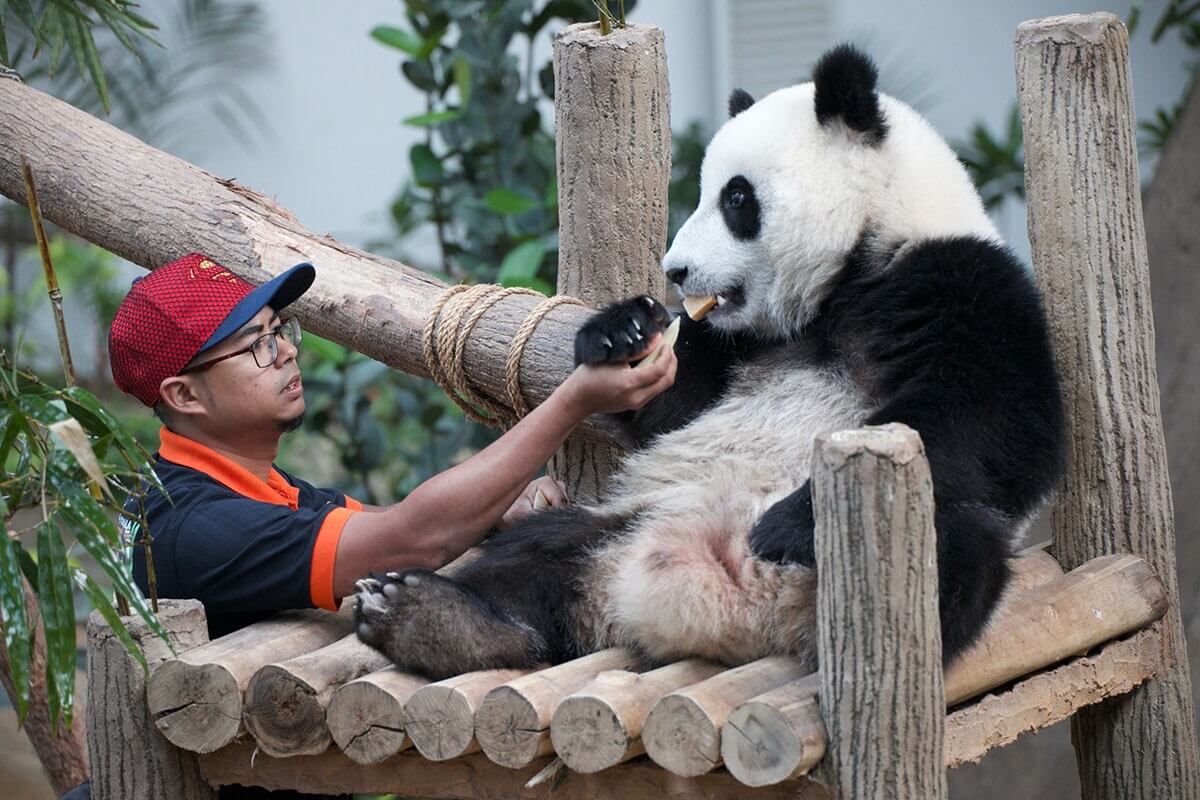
819 189
702 544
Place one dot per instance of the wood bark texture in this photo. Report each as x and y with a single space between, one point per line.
613 142
285 702
61 751
1089 255
130 758
879 639
196 698
150 207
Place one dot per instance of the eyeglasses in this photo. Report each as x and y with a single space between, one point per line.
265 348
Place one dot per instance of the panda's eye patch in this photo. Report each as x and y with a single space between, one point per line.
740 208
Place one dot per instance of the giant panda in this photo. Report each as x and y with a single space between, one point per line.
858 282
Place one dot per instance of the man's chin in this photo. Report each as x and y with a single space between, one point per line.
289 425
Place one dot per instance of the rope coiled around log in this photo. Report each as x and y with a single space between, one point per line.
444 344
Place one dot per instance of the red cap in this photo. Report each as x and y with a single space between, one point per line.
182 309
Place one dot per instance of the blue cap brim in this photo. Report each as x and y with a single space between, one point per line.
279 292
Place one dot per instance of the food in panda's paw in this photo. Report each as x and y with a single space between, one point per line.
697 306
540 501
670 336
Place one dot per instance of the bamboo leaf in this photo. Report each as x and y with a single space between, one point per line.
96 542
73 437
58 620
103 603
16 623
92 57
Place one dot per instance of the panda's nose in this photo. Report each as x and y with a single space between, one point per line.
677 274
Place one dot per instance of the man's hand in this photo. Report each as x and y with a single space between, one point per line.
554 492
612 388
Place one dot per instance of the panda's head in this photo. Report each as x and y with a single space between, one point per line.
794 183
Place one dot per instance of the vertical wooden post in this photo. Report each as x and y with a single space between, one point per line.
613 141
130 759
1089 254
879 638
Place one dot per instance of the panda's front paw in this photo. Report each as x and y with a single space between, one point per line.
784 535
620 331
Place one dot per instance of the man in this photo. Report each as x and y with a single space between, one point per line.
215 357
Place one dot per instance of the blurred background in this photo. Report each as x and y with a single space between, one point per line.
346 115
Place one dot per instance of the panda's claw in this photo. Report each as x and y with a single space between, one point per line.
619 332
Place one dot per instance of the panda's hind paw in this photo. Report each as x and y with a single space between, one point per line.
620 331
428 623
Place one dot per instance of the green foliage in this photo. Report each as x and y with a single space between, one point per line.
996 165
53 443
67 25
170 96
683 193
389 431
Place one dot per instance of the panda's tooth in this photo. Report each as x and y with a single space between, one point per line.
720 300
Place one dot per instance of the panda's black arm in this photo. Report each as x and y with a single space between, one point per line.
956 346
706 360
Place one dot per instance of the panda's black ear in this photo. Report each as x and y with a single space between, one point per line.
739 101
845 89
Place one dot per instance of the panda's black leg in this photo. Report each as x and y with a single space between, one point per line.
513 606
973 569
430 624
784 534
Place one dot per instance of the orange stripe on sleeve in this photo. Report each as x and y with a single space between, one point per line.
320 586
353 504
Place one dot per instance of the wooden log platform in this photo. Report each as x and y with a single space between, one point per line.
440 718
761 720
366 716
513 721
286 701
780 736
196 699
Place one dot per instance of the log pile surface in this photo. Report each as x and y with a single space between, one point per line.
298 695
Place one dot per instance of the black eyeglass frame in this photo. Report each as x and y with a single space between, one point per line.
273 336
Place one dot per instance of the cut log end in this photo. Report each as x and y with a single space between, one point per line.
284 714
197 708
588 734
681 738
508 729
366 722
441 723
762 744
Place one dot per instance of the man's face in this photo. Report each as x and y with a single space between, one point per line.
240 395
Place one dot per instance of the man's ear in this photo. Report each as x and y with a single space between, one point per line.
179 394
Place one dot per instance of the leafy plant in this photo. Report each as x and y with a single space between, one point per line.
67 25
54 442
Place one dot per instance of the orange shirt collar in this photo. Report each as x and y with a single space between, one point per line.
190 453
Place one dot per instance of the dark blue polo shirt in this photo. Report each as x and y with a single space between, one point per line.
243 547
